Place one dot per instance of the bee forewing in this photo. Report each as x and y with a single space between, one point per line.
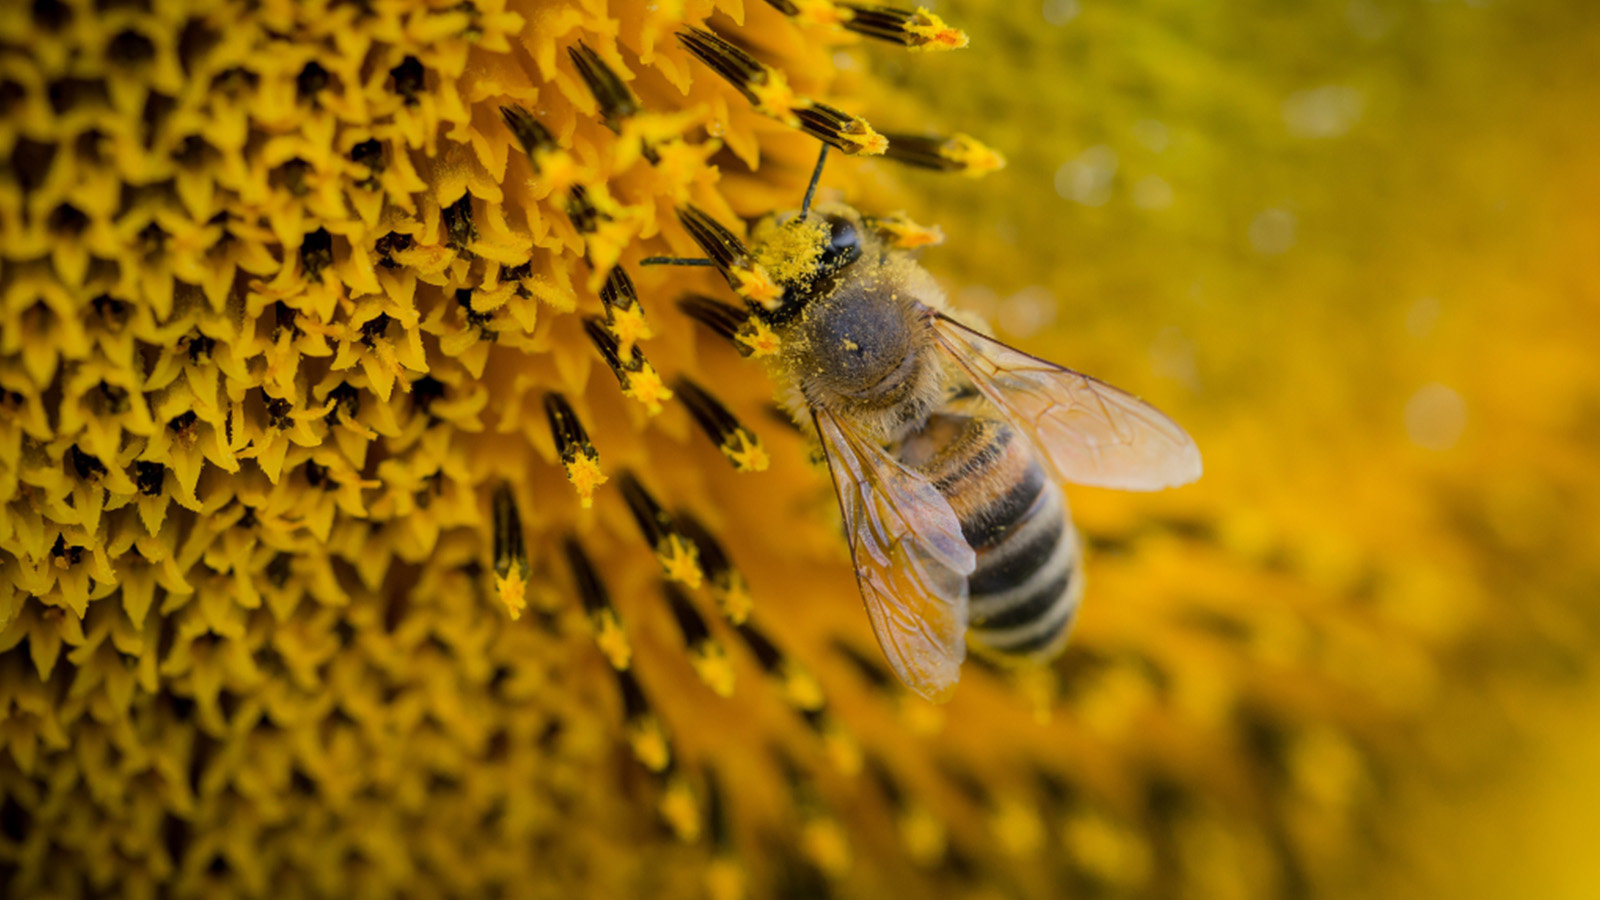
1086 430
910 558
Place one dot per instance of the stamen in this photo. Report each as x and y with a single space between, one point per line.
644 731
510 553
617 102
678 555
799 688
536 140
822 839
706 654
680 808
903 234
724 877
581 210
720 317
578 455
956 153
846 133
624 315
921 833
744 275
738 443
767 89
919 30
676 261
638 378
728 585
603 617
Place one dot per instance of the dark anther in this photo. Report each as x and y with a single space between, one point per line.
346 403
374 328
65 553
192 153
278 571
426 390
534 137
131 48
316 473
311 81
148 476
182 422
151 239
316 253
284 316
115 398
67 220
720 317
368 153
390 244
89 468
409 79
617 103
200 348
291 176
278 410
30 163
510 549
51 15
459 229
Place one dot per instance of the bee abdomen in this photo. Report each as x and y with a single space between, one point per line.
1025 589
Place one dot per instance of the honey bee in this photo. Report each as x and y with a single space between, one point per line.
947 448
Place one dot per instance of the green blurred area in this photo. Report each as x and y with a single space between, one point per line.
1354 246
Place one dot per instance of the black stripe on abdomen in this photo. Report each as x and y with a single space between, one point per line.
990 523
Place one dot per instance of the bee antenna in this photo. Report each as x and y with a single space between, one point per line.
811 189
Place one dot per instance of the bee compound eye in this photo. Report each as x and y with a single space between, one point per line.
844 245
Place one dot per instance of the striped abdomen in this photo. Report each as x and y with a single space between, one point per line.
1026 587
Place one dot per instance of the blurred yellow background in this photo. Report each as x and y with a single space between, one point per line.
1353 245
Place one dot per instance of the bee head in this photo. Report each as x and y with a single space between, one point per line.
807 256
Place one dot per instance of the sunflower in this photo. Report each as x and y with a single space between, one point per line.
376 523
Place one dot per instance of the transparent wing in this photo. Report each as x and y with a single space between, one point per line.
1088 431
911 560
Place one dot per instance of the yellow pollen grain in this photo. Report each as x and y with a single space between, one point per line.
733 598
758 337
1017 828
649 743
976 159
775 98
725 879
646 387
862 138
789 252
843 751
823 842
908 235
680 560
710 662
680 811
512 589
629 327
584 473
745 451
754 283
932 33
1108 851
613 641
922 835
800 689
